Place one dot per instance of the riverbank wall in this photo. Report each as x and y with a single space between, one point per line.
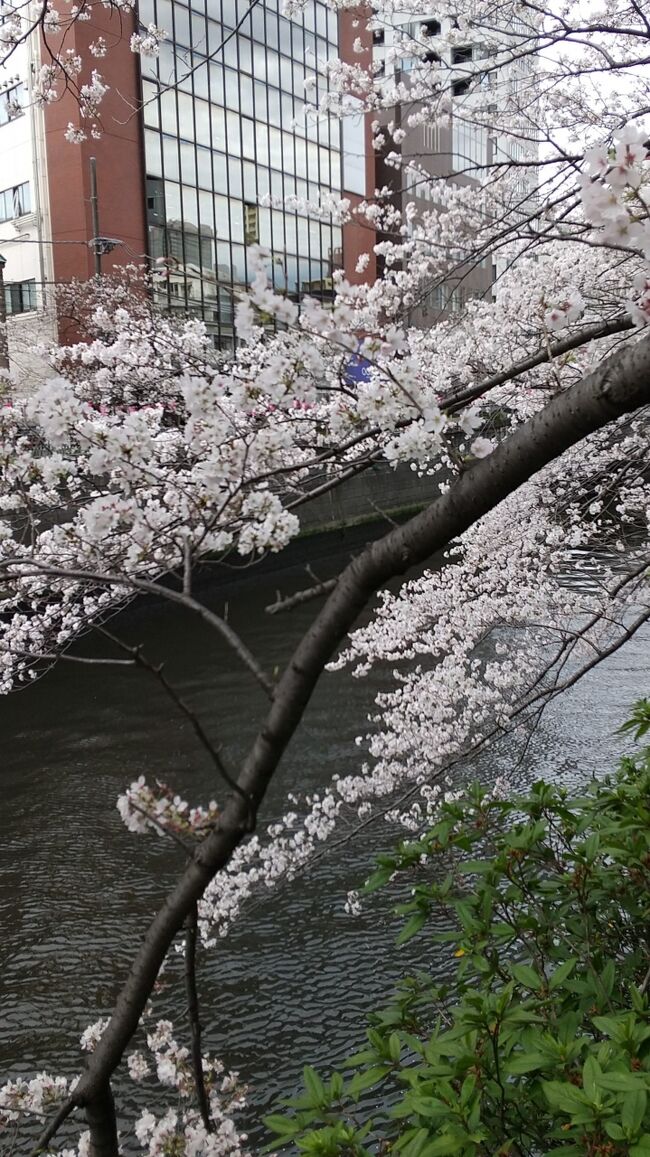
378 494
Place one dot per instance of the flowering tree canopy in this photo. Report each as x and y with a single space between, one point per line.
147 452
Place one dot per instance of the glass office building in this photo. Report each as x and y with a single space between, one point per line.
224 129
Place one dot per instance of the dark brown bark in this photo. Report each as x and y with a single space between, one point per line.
100 1117
619 386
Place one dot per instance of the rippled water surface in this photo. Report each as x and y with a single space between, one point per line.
293 981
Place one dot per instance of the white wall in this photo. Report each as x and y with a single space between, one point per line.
23 240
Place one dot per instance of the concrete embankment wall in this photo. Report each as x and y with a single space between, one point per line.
378 492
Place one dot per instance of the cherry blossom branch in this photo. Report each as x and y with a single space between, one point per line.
620 385
545 354
20 568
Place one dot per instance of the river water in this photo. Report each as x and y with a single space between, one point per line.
292 982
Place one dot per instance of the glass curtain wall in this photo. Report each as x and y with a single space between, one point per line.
225 128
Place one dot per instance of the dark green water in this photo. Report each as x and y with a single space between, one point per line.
292 982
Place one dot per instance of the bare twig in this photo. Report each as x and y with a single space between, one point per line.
303 596
157 670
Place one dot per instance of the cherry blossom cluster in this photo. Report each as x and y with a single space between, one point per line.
148 43
180 1131
159 809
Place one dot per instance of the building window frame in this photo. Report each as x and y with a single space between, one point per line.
20 297
16 201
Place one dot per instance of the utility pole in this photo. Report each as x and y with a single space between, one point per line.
4 342
94 208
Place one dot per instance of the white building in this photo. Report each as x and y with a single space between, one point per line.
24 225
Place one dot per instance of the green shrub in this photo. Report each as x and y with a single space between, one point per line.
540 1040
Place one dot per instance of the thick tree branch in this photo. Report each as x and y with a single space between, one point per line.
193 1013
620 385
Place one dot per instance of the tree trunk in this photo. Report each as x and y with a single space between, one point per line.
100 1116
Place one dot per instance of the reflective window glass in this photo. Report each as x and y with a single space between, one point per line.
202 122
204 168
222 216
246 96
249 181
188 164
172 201
182 25
219 173
232 89
190 205
233 133
272 32
275 110
264 222
260 91
261 141
199 34
168 118
245 55
186 116
229 53
170 158
150 103
206 212
248 138
301 155
259 63
273 67
234 177
153 152
277 229
263 182
218 119
280 184
216 83
229 12
275 148
257 28
164 16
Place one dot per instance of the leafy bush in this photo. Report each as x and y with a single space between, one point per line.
540 1041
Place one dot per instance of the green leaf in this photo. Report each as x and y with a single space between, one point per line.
634 1108
416 1143
526 976
623 1082
525 1063
642 1147
563 1096
562 973
591 1074
446 1143
366 1080
614 1130
412 927
281 1125
379 878
608 977
314 1085
591 847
